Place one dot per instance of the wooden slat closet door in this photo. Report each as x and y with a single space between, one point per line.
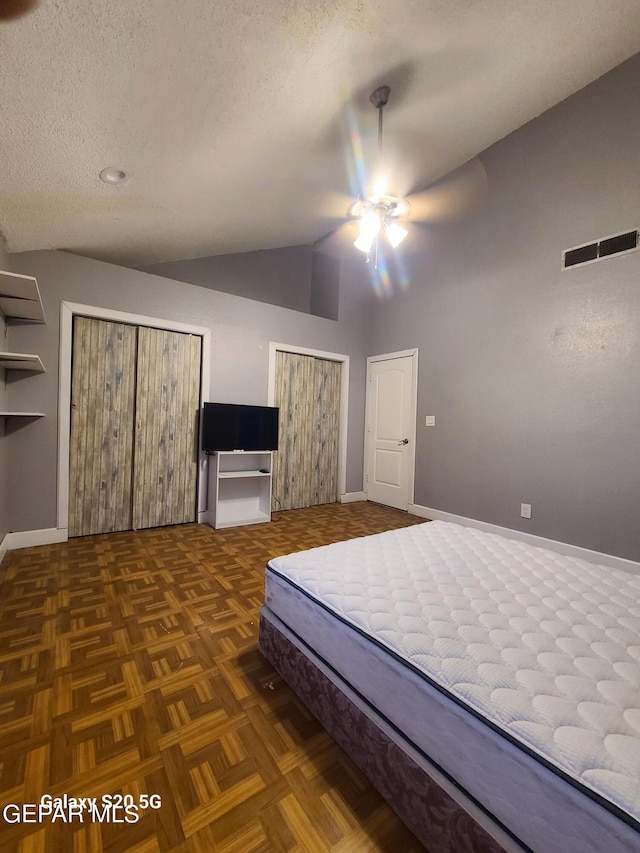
166 433
326 389
292 466
305 467
102 408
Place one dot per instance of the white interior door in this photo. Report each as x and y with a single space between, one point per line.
390 430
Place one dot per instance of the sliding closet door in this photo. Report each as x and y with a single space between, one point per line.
102 409
166 433
307 391
326 390
292 464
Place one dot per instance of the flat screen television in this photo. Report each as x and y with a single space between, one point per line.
229 426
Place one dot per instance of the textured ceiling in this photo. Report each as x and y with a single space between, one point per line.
236 121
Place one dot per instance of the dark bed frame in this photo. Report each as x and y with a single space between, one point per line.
440 823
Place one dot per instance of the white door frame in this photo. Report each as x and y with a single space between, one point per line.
67 312
413 354
344 398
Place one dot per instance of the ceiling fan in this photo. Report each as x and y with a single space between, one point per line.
382 218
379 213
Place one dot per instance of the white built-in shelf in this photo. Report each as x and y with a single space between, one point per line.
21 361
20 300
239 491
22 415
229 475
20 297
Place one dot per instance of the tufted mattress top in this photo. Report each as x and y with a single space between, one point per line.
543 647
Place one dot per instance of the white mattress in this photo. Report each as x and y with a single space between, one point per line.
543 649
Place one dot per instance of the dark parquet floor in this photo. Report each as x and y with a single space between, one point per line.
129 667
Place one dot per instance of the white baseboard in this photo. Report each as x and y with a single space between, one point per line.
3 548
30 538
553 545
352 497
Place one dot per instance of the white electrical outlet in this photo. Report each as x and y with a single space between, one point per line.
525 510
430 420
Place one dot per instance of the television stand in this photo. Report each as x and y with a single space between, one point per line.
239 488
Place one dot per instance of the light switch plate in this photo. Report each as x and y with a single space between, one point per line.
430 420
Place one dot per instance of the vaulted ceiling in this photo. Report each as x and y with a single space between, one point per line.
239 124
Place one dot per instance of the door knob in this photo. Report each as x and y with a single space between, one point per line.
404 441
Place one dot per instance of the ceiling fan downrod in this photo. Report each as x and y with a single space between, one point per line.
380 98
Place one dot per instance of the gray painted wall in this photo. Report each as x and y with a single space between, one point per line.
274 276
241 331
325 285
533 374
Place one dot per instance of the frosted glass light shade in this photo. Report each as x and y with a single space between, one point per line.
395 233
369 228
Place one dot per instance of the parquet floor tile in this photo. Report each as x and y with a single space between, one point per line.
129 667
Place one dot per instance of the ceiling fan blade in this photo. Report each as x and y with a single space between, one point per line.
453 196
334 205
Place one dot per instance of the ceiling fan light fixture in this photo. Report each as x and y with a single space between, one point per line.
395 233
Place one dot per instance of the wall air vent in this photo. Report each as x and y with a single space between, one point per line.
581 255
605 248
